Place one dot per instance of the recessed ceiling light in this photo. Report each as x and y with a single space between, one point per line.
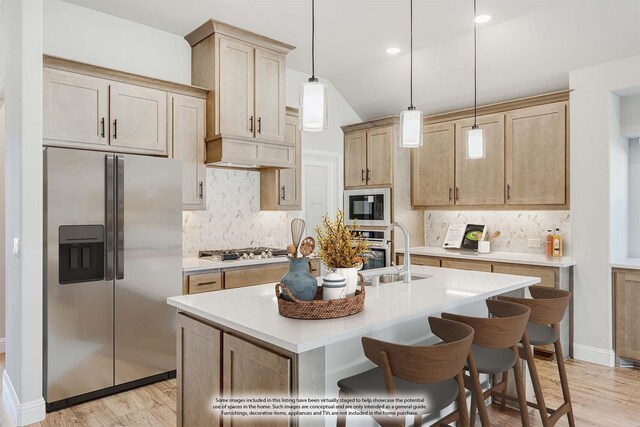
482 19
392 50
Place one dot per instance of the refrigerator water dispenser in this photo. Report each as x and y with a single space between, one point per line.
81 249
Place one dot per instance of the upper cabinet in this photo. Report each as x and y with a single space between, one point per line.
95 108
368 153
536 155
525 164
246 105
281 189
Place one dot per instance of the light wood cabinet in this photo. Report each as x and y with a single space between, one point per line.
199 373
548 276
433 177
246 111
138 118
626 294
535 153
466 265
250 370
419 260
186 138
255 275
75 108
480 181
368 157
205 282
281 189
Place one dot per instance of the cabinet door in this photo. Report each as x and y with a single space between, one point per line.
420 260
249 276
75 108
186 133
536 155
466 265
434 166
380 156
548 276
249 370
627 311
289 180
270 95
198 378
481 181
355 159
235 89
138 119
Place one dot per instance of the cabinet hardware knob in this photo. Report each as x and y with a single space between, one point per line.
251 124
201 190
283 192
259 124
362 175
115 128
102 128
508 192
368 174
450 193
457 193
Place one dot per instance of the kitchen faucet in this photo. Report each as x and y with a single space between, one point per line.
406 270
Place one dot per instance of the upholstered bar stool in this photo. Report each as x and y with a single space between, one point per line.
432 372
495 351
548 307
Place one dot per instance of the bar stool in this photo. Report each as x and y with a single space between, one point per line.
548 307
495 351
432 372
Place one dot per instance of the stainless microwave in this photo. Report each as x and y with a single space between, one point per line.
370 207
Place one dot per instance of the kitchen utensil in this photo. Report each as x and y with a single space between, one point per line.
494 236
307 246
291 250
297 228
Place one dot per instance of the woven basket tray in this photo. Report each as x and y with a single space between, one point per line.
317 308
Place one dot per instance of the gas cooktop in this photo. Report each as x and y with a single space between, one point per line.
246 253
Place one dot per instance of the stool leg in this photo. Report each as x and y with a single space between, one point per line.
564 381
477 397
463 415
505 379
533 373
342 419
522 396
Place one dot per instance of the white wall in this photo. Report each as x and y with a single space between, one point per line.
2 234
85 35
22 34
634 198
591 198
619 184
630 116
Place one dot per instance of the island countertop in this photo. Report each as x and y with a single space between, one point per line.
254 311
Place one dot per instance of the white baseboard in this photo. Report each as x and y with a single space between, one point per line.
3 345
596 355
23 413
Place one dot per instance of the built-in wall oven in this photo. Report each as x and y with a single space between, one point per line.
379 253
369 207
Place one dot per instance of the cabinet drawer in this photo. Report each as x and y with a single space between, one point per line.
548 276
420 260
314 267
466 265
205 282
270 273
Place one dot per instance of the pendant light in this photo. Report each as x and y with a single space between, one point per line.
313 94
475 135
411 119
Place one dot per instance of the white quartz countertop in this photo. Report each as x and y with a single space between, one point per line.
629 263
198 264
507 257
254 310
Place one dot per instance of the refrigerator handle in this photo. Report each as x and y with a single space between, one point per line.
109 194
120 217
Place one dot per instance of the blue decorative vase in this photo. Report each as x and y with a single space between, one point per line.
299 280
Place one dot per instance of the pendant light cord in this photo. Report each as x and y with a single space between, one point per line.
475 67
313 39
411 48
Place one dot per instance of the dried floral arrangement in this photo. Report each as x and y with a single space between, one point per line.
341 246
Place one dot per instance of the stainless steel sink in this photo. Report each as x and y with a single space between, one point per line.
392 278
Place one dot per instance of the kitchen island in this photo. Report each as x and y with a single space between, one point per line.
235 343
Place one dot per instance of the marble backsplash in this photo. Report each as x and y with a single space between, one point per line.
516 227
233 218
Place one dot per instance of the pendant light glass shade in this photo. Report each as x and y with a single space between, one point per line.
313 106
411 128
475 143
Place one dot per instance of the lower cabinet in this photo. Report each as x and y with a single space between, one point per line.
626 300
548 276
214 364
466 265
419 260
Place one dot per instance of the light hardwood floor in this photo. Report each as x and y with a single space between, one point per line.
601 397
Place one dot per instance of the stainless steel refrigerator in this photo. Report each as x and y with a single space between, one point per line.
113 243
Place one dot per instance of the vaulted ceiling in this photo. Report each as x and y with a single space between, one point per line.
526 49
